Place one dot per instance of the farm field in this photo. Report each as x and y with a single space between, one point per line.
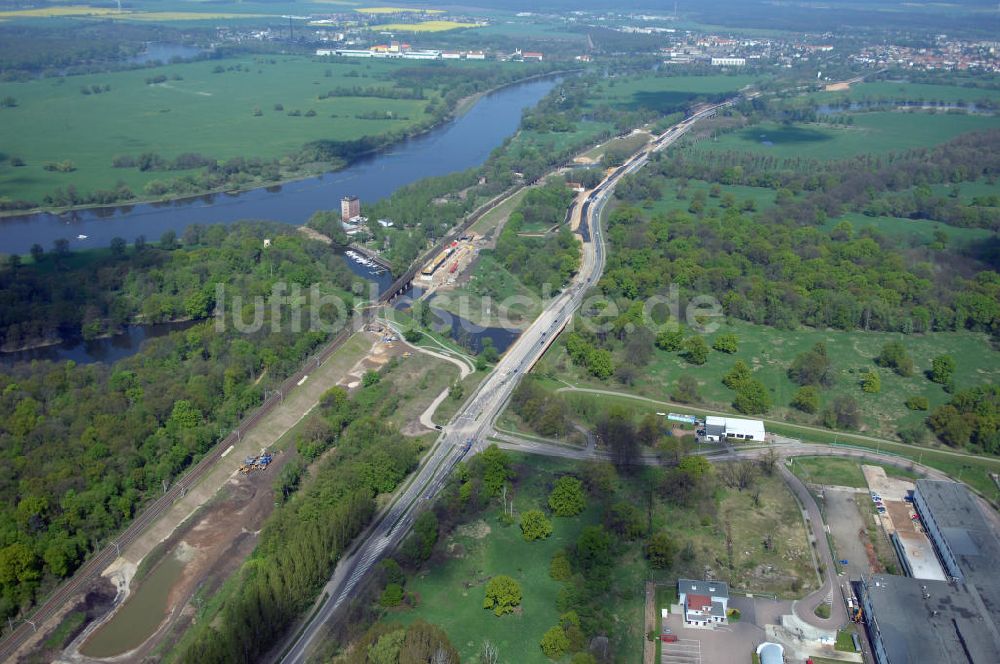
769 352
876 132
195 108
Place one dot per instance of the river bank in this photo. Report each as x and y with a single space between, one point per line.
461 144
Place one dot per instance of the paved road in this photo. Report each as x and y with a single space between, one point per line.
469 429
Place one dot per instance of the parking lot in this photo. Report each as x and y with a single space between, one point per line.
723 645
682 651
847 528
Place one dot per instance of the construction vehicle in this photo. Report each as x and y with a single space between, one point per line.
857 615
259 462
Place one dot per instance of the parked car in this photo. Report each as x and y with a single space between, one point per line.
915 517
668 638
881 510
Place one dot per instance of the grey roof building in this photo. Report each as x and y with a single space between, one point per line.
965 541
916 621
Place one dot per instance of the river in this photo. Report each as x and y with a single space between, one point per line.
462 143
457 145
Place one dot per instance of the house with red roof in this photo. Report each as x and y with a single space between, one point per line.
704 602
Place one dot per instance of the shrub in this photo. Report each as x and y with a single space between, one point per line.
554 642
391 596
535 526
806 399
502 594
567 497
917 403
726 343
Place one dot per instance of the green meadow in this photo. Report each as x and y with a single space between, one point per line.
194 109
839 471
877 132
904 91
663 93
449 590
914 232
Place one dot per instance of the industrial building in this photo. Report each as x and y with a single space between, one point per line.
718 428
911 621
704 602
955 620
965 542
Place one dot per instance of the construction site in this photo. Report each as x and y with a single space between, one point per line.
443 269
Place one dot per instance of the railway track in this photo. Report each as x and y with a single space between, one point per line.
98 562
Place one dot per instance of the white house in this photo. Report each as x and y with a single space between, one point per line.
717 428
704 602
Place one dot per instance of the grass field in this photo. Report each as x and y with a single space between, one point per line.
416 382
876 132
194 110
903 91
450 589
912 232
630 143
397 10
769 352
663 93
762 197
423 26
839 471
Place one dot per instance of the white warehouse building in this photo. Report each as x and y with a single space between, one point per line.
717 428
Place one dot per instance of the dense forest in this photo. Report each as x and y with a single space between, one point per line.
86 446
781 268
549 260
60 294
